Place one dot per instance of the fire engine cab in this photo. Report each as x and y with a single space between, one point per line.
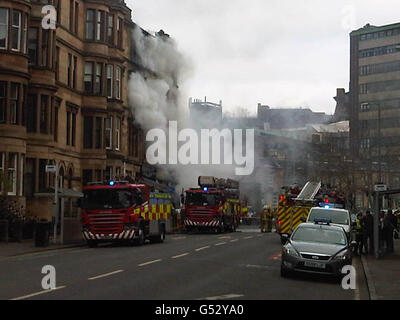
117 211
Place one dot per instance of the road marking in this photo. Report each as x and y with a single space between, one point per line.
234 240
251 237
259 236
220 244
149 262
224 297
178 238
203 248
38 293
106 275
225 237
180 255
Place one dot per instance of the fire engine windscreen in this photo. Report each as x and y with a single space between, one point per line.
111 199
203 199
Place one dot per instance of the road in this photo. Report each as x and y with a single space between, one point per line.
242 265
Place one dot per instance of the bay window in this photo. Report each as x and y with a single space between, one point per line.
118 83
3 92
16 30
3 28
12 173
117 133
110 80
108 133
88 77
14 103
90 24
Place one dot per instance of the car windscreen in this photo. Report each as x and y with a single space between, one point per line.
336 216
203 199
320 235
111 198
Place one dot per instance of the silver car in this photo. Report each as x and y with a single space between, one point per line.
338 217
317 247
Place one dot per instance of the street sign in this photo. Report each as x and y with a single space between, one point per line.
51 168
380 187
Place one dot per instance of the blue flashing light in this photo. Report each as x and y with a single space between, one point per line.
205 189
112 183
326 207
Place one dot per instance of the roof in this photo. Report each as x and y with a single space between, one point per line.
370 28
342 126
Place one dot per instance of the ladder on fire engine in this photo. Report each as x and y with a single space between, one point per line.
309 191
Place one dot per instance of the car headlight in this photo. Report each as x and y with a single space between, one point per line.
344 255
288 249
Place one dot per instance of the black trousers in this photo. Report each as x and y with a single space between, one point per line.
368 239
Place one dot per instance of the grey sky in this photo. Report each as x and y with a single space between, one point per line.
283 53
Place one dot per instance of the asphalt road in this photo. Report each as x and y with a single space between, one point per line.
243 265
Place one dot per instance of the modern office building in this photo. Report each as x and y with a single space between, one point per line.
375 92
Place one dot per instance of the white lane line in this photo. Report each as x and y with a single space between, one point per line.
180 255
251 237
203 248
178 238
225 237
234 240
38 293
106 275
149 262
220 244
224 297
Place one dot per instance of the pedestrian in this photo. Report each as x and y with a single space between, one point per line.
359 234
389 225
368 232
263 219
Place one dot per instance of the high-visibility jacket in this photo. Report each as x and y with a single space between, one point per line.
358 227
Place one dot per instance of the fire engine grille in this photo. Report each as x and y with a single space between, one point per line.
201 212
106 223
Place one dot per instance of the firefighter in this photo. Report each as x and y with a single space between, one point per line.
269 219
263 216
359 235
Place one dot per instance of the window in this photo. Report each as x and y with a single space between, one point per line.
68 138
25 33
110 76
16 30
21 176
12 173
3 28
88 132
98 80
118 83
90 26
3 92
33 45
74 72
110 29
32 113
71 15
108 133
73 129
88 77
45 48
56 109
76 17
120 23
99 130
14 103
2 160
44 114
117 133
69 81
100 26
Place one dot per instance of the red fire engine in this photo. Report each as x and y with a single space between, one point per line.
213 206
119 211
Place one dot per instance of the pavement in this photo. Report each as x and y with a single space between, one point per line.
12 249
243 265
383 275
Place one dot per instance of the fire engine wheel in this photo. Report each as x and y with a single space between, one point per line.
160 237
141 238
